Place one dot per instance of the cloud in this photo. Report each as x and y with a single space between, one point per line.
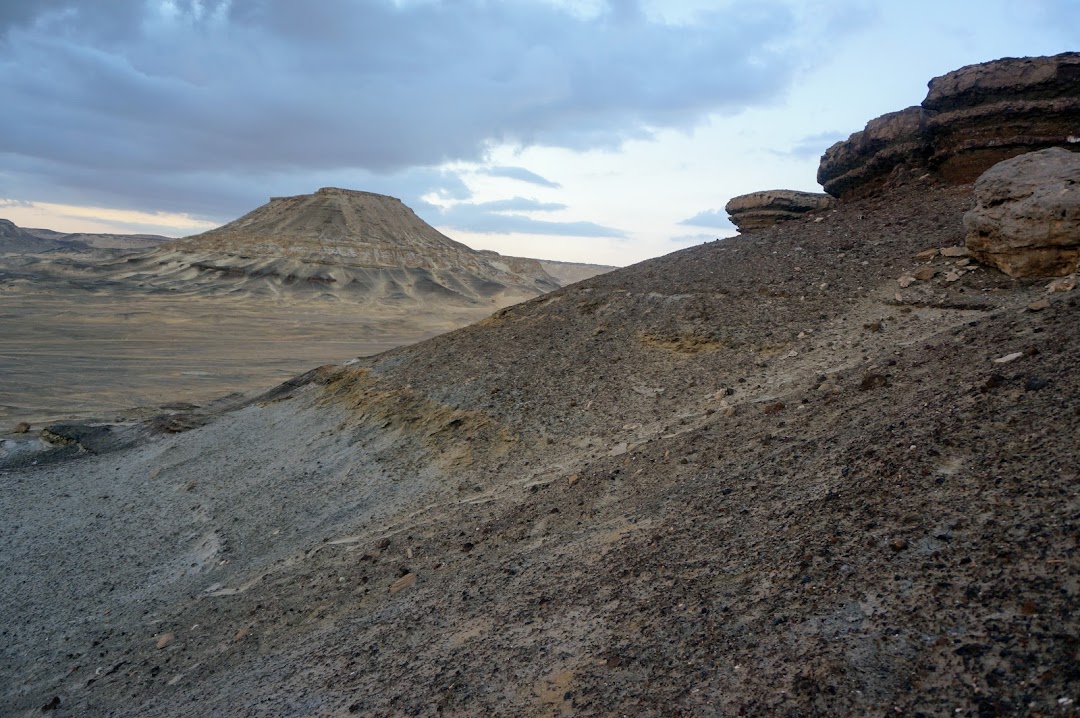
813 146
147 102
686 240
521 174
716 218
502 217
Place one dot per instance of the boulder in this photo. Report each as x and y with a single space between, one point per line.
758 210
971 119
1026 220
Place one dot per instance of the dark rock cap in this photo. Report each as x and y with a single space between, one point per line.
971 119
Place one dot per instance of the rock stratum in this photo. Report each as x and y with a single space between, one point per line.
971 119
758 210
353 245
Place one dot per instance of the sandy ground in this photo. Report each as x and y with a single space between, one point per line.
75 354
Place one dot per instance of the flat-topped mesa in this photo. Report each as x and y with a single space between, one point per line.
759 210
372 243
971 119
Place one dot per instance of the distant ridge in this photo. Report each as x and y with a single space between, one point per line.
15 239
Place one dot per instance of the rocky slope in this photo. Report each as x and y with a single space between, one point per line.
353 245
755 477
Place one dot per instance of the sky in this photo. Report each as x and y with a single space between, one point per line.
605 131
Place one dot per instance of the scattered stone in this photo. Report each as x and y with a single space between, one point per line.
165 640
952 276
758 210
22 427
1065 284
906 281
402 583
927 254
957 251
898 544
1035 383
774 407
730 411
873 381
1039 305
573 479
1026 220
1009 358
792 354
925 274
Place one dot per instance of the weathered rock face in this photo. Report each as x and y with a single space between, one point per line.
983 114
758 210
971 119
864 160
1026 220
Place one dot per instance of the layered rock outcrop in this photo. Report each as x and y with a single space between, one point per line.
758 210
971 119
1026 220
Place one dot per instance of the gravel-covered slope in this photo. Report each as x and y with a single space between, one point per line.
755 477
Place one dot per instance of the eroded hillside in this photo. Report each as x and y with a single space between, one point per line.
752 477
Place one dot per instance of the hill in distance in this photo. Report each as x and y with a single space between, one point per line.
345 244
109 331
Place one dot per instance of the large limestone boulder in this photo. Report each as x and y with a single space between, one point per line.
758 210
1026 220
971 119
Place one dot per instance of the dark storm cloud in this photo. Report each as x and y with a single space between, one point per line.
716 218
198 106
520 174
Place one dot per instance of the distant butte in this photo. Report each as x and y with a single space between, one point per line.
356 245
